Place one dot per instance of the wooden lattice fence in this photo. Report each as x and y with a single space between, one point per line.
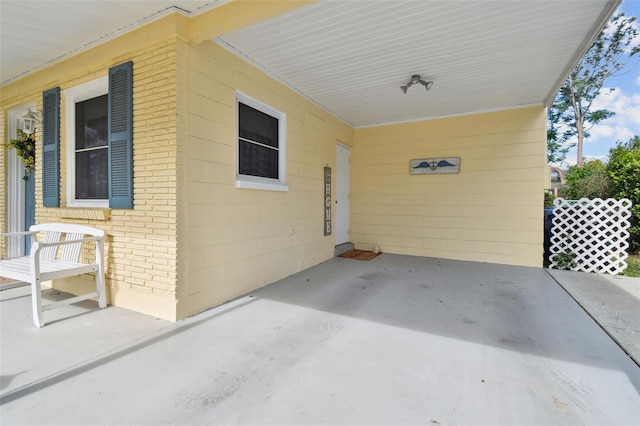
590 235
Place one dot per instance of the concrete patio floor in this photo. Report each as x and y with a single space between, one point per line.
398 340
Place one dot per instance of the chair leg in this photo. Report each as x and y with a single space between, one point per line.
100 286
36 302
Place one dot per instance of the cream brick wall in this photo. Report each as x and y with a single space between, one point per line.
490 212
239 239
142 243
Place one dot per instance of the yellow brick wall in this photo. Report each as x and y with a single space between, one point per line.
141 249
239 239
490 212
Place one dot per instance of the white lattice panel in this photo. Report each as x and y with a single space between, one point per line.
593 233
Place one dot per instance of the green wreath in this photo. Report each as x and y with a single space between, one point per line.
25 147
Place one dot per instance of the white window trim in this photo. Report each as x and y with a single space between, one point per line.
254 182
82 92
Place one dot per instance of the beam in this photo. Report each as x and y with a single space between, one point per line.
237 14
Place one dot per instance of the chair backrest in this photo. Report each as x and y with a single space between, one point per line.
51 237
55 231
71 252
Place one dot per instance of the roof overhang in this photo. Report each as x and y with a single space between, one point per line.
350 57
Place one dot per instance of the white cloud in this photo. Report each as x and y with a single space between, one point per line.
571 159
622 126
603 158
610 133
602 131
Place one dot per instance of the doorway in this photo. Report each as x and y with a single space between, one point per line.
21 197
343 193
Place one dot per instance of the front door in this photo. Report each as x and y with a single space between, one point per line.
21 194
343 194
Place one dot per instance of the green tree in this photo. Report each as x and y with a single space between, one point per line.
572 114
624 171
590 180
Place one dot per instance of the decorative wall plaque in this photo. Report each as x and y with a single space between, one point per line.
429 166
327 201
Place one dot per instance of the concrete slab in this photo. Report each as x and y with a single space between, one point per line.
613 302
74 335
395 340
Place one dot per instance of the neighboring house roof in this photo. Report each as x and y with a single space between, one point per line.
557 177
351 57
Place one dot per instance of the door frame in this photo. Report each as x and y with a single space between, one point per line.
339 226
16 186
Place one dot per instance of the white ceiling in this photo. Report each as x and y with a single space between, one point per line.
349 56
36 33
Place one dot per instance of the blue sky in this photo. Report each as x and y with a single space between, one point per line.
624 101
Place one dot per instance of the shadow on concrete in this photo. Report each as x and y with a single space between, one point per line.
520 309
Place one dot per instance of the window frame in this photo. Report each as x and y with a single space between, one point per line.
73 95
256 182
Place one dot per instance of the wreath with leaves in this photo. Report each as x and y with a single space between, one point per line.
25 147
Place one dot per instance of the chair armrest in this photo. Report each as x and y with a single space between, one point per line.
16 234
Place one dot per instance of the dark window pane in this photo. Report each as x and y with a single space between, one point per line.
91 123
92 175
256 160
257 126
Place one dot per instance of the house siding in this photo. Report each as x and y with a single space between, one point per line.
239 239
489 212
194 240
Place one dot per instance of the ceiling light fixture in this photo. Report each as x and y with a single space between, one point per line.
415 79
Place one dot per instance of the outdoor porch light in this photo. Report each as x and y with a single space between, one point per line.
415 79
29 121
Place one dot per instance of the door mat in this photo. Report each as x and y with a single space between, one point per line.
4 280
359 255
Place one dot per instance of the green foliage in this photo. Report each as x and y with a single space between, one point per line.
619 178
565 259
571 116
633 267
624 170
633 143
590 180
548 199
25 147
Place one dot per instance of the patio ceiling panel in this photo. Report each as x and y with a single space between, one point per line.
34 34
351 57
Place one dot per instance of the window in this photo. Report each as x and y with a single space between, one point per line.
261 146
91 150
99 125
87 144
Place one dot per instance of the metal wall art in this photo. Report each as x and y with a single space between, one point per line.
430 166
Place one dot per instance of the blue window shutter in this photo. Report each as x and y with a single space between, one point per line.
51 148
121 136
